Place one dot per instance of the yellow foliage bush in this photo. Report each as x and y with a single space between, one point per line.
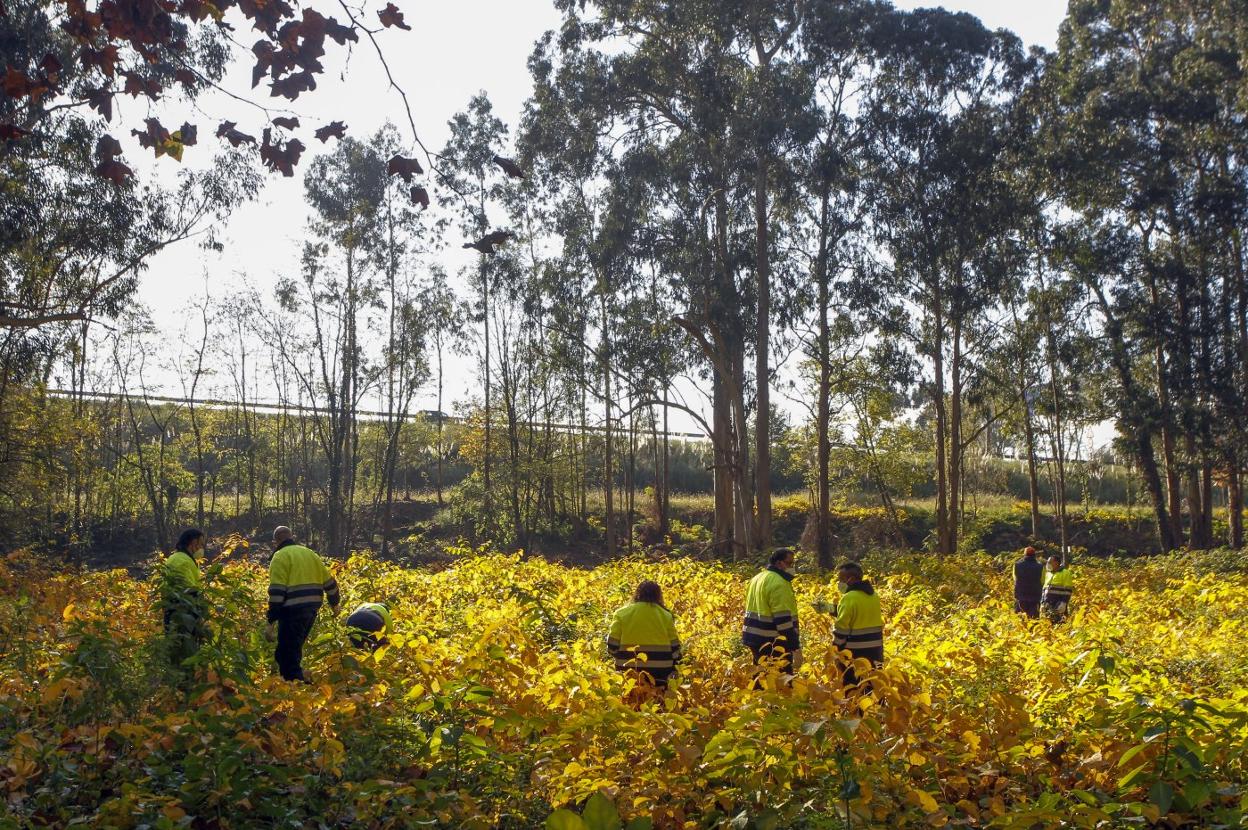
494 704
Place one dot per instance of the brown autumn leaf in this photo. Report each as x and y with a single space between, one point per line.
509 167
188 134
404 167
101 100
114 171
286 122
292 86
391 16
488 243
103 59
12 132
51 67
107 147
227 131
340 33
16 83
153 137
420 196
334 129
279 156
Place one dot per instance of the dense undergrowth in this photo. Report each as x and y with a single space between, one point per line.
495 705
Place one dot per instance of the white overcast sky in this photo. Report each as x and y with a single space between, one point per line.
455 50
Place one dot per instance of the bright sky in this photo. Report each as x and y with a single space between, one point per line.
455 50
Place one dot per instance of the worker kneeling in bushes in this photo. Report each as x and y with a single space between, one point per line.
366 622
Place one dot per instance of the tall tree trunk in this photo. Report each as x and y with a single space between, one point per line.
762 374
608 474
485 463
823 414
1235 501
722 439
943 519
1033 485
956 450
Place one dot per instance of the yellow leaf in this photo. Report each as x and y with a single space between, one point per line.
923 800
917 759
997 805
971 740
68 613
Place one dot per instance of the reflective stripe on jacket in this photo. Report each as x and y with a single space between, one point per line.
859 623
643 636
1059 586
371 617
771 611
299 580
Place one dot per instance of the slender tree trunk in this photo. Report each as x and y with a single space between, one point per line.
942 483
1235 501
485 305
823 414
608 474
762 374
956 449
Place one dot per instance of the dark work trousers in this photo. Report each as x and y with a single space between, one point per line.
1030 607
293 629
850 678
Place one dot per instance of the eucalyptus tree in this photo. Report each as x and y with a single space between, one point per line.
943 213
1145 142
469 168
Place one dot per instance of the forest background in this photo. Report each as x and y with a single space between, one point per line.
937 260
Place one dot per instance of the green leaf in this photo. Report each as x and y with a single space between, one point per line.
600 813
1161 794
564 820
640 823
1126 780
1131 753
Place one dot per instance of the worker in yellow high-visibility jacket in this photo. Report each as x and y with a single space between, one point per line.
859 622
643 639
770 629
299 583
369 625
181 597
1059 587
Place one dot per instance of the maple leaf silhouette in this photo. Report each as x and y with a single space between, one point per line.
286 122
509 167
101 100
335 129
420 196
114 171
51 66
188 134
490 241
107 149
404 167
227 131
391 16
279 156
154 136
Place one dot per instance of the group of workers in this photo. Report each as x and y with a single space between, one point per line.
299 584
642 639
1042 588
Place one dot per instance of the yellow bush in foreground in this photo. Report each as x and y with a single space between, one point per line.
495 705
